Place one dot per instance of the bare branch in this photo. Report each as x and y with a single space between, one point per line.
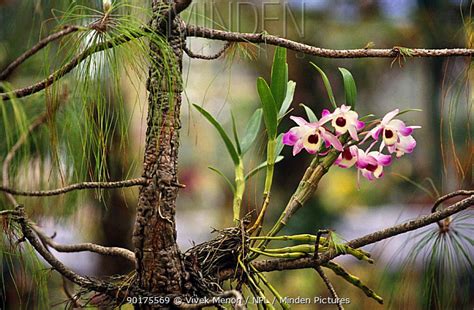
203 32
449 196
191 54
38 46
77 186
310 262
82 247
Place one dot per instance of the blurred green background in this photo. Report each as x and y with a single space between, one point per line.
442 161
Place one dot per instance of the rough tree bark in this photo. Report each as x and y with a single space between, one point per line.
159 265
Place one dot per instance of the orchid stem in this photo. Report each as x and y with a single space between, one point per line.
239 191
271 147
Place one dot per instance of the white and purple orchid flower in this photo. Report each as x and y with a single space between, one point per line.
310 136
344 120
371 164
395 134
348 157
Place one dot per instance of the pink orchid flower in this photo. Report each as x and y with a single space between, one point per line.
344 120
371 164
395 134
310 136
405 144
348 157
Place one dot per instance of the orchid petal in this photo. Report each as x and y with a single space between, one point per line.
297 147
332 139
353 133
389 116
325 113
290 137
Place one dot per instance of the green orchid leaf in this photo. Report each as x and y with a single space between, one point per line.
279 145
220 173
290 93
236 135
311 116
327 85
251 132
269 108
349 88
279 76
409 110
228 143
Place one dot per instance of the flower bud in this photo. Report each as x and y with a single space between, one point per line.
106 5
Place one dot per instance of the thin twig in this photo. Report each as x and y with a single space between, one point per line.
203 32
77 186
192 54
330 287
82 247
37 47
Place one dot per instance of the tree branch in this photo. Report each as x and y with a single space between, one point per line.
449 196
310 262
38 46
191 54
82 247
198 31
77 186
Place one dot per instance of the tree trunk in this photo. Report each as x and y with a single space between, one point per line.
159 264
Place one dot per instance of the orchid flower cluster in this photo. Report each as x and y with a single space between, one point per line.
317 138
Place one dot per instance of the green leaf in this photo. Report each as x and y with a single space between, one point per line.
228 143
290 93
409 110
232 187
251 132
311 116
279 145
279 76
327 84
269 107
261 167
236 135
349 88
